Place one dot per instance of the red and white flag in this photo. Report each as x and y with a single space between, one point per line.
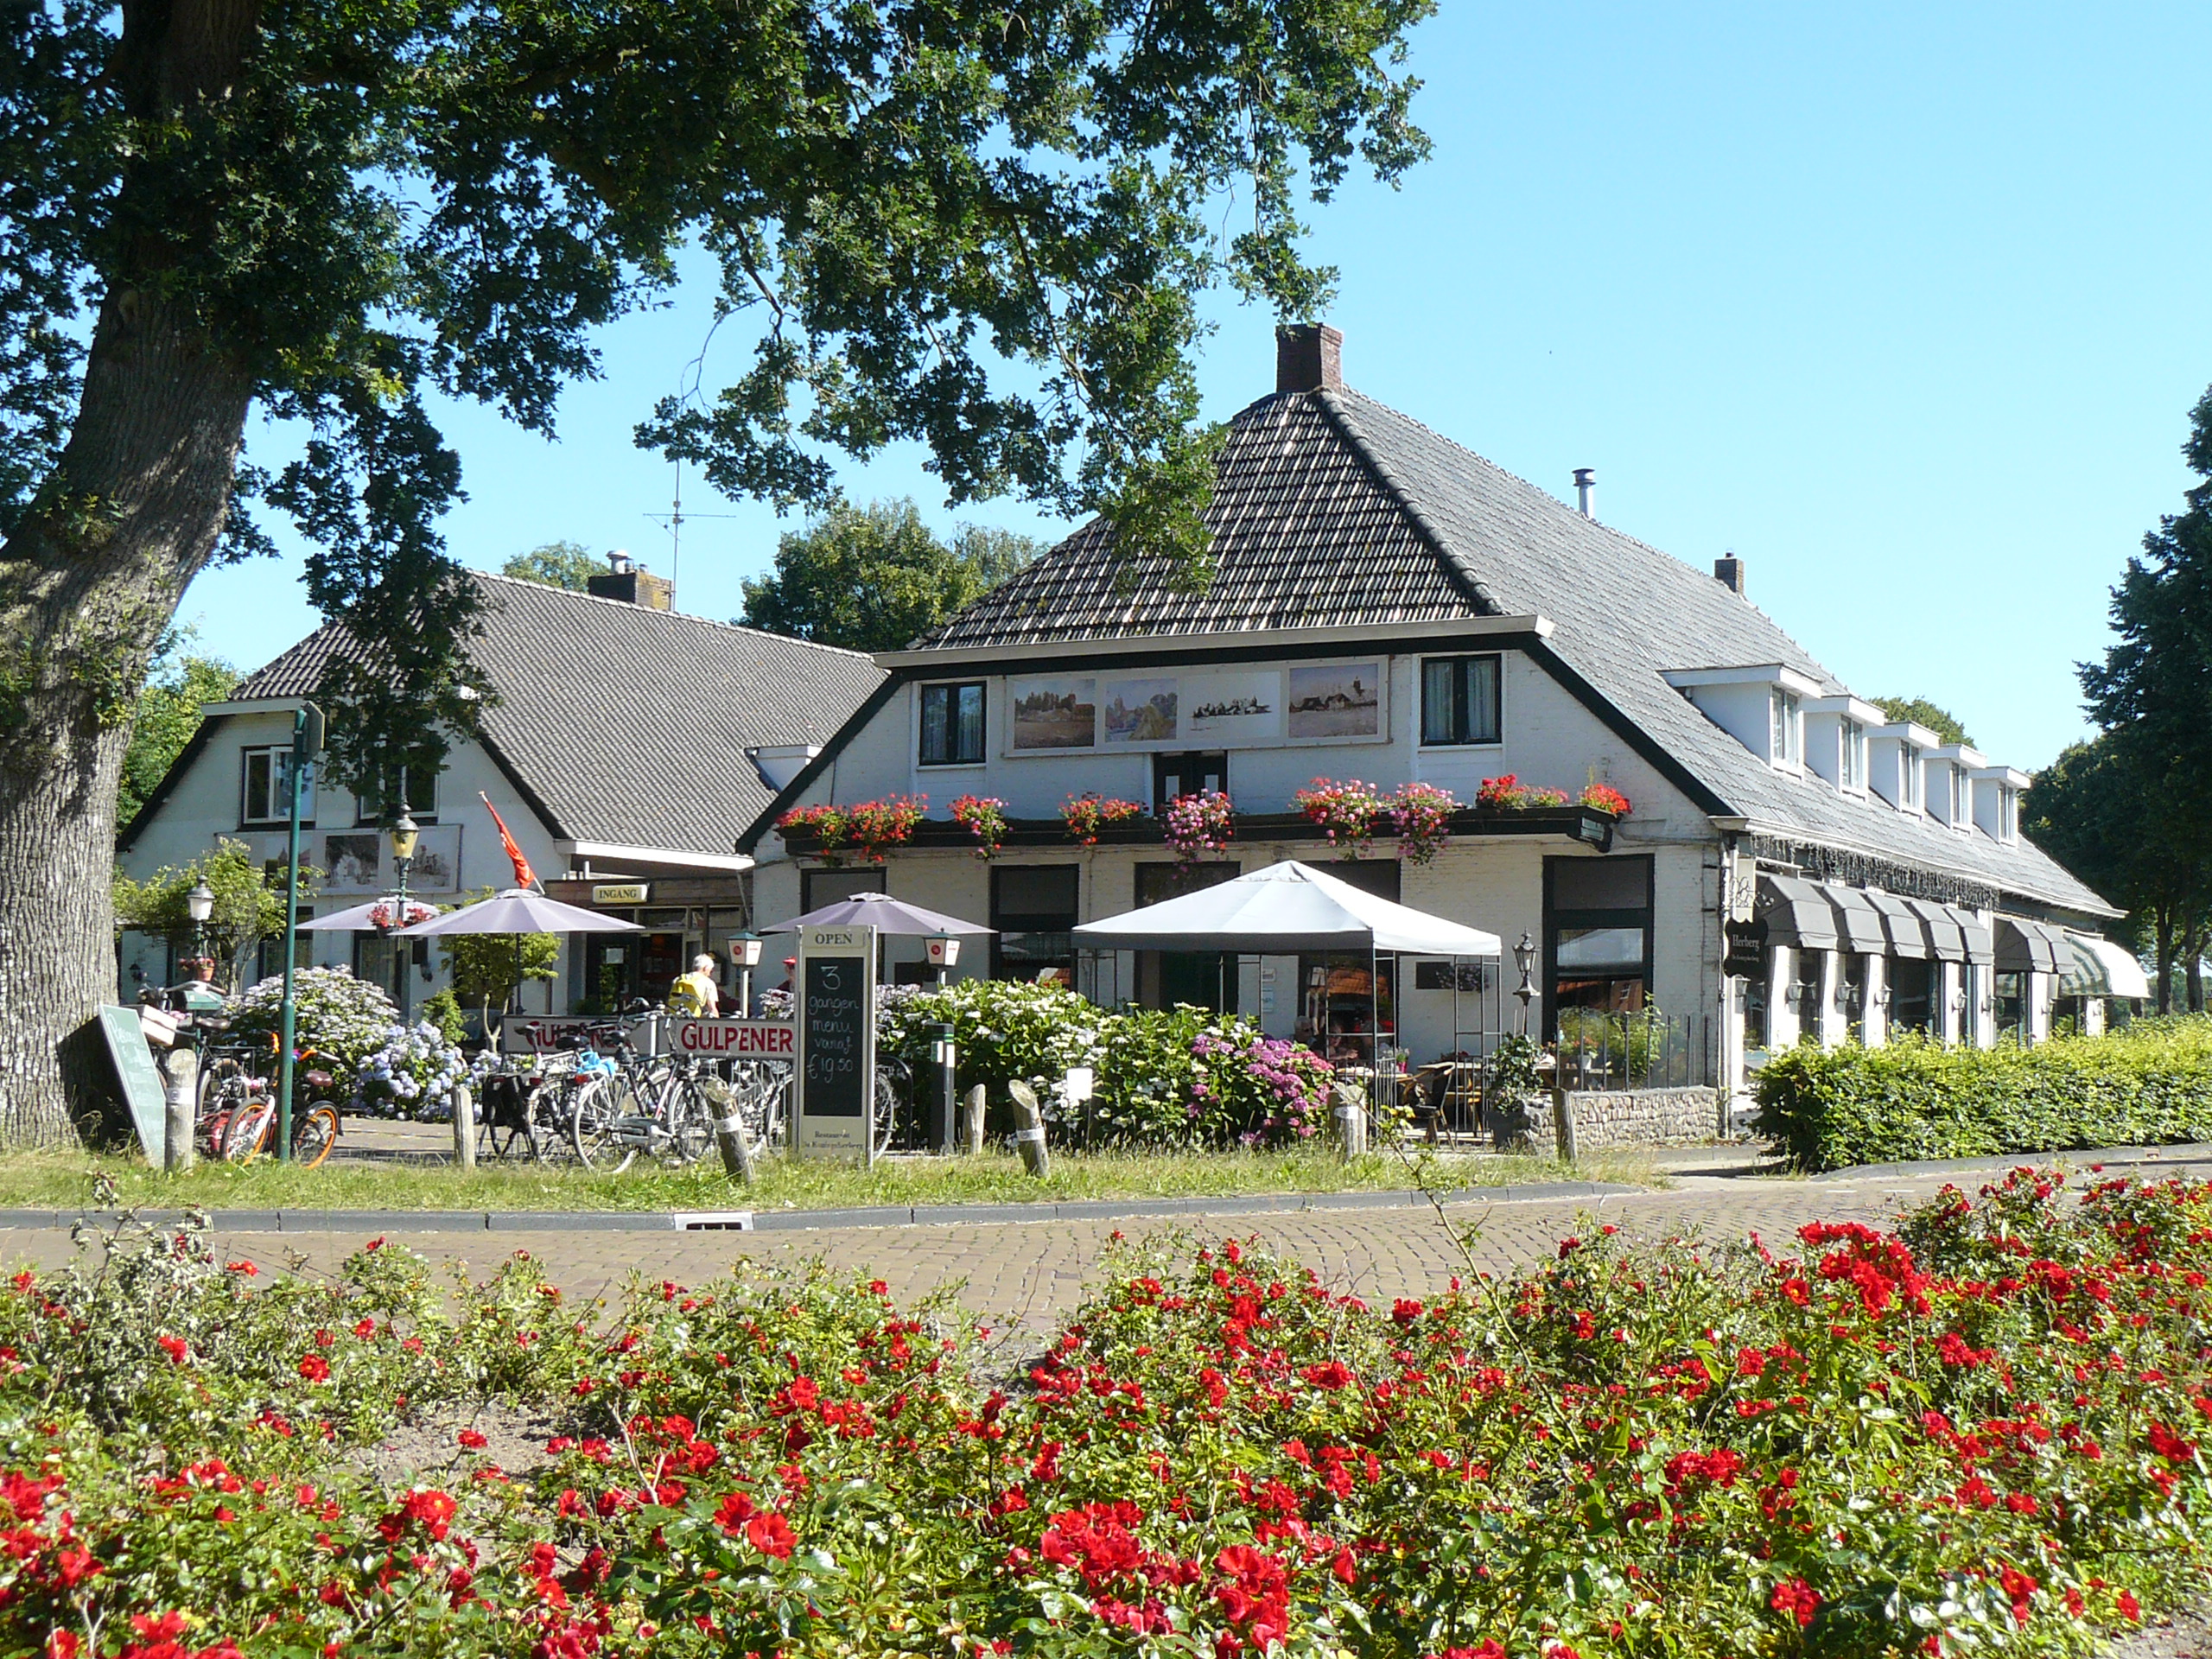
525 876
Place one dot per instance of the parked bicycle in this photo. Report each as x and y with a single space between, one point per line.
238 1107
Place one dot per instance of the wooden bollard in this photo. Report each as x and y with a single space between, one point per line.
1352 1124
179 1107
1029 1129
1563 1125
464 1128
976 1107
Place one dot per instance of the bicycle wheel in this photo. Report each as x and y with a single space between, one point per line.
889 1119
688 1118
601 1106
315 1132
249 1127
507 1127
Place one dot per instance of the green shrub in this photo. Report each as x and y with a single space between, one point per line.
2150 1084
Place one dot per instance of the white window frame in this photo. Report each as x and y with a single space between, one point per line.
1785 722
279 807
1851 766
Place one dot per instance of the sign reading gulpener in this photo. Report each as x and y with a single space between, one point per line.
714 1039
734 1039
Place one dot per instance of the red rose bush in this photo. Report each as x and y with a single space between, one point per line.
1985 1429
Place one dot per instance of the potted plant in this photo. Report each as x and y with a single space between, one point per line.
827 824
1604 798
1423 813
1501 794
879 825
1203 823
1346 812
984 817
1086 815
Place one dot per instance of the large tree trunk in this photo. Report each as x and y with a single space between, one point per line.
86 585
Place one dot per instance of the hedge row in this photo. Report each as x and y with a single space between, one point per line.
2150 1084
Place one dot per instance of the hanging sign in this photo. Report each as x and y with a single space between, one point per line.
734 1039
837 1040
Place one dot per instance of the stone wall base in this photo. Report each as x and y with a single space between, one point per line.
1625 1117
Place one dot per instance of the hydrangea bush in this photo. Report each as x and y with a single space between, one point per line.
397 1071
1182 1077
1983 1433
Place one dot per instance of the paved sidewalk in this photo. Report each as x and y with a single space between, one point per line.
1031 1273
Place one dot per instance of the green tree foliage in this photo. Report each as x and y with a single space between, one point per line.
556 564
875 578
2095 810
249 902
2152 695
985 232
168 714
1921 712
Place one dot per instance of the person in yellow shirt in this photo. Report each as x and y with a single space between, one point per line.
697 995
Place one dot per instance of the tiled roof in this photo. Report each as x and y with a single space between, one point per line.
1332 510
628 724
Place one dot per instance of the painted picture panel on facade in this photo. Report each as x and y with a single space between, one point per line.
1235 707
357 863
1054 714
1336 700
1140 711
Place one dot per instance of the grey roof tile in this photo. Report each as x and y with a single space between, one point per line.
1333 509
630 724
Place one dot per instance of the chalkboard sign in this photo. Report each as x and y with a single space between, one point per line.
837 1039
835 1008
140 1077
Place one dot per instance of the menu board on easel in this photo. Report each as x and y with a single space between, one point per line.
835 1020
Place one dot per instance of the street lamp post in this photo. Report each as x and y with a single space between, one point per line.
1524 957
199 904
307 745
404 835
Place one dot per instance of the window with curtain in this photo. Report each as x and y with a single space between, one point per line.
952 724
1460 700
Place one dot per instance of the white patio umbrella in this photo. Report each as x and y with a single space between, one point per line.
1286 907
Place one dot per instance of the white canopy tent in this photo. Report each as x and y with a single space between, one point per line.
1286 907
1290 909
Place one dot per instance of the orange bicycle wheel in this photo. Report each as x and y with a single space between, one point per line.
315 1132
249 1130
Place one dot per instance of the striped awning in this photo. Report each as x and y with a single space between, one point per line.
2100 967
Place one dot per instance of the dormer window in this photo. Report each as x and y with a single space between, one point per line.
1764 706
1909 779
1853 758
2008 815
1786 722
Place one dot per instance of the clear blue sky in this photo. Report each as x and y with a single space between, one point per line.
1904 304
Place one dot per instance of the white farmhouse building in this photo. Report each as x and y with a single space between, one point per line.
624 741
1388 606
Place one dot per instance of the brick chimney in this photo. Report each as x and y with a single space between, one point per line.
1309 357
632 584
1729 573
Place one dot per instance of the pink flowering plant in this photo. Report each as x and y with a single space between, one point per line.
1422 813
1346 812
1984 1431
1199 823
984 816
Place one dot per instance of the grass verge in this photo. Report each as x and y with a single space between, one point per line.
62 1180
